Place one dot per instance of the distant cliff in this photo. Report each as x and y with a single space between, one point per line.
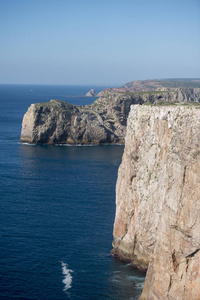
157 223
158 84
104 121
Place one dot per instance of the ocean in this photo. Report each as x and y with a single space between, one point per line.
57 210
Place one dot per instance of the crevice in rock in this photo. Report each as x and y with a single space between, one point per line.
188 257
133 176
175 262
184 232
170 284
184 174
192 254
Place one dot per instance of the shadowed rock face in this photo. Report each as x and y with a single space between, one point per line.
157 222
104 121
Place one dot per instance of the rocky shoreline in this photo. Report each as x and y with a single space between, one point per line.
140 265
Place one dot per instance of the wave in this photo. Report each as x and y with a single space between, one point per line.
67 276
77 145
23 143
140 285
136 278
88 145
127 265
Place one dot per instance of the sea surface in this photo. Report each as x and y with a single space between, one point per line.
57 209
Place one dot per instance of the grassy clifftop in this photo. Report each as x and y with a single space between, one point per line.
153 85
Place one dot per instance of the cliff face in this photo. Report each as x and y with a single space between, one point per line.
157 223
104 121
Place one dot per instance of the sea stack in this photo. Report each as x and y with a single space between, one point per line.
157 222
91 93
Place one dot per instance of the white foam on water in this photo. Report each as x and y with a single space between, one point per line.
136 278
76 145
28 144
67 276
127 265
116 272
140 285
115 280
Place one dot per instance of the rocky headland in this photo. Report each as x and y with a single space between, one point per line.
104 121
157 223
157 84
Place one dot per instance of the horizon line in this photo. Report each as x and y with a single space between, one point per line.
104 84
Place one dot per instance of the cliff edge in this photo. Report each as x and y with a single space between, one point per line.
157 222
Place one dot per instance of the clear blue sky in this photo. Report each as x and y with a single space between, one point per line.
98 41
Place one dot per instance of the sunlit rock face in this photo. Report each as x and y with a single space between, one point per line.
157 223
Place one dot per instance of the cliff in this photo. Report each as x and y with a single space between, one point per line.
157 222
104 121
158 84
153 85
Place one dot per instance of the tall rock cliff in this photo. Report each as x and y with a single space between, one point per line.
157 223
104 121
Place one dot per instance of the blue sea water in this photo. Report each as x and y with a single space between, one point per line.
57 210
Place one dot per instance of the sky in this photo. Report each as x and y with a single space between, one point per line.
100 42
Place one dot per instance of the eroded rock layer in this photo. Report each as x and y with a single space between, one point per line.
157 223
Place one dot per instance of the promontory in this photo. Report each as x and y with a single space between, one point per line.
104 121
